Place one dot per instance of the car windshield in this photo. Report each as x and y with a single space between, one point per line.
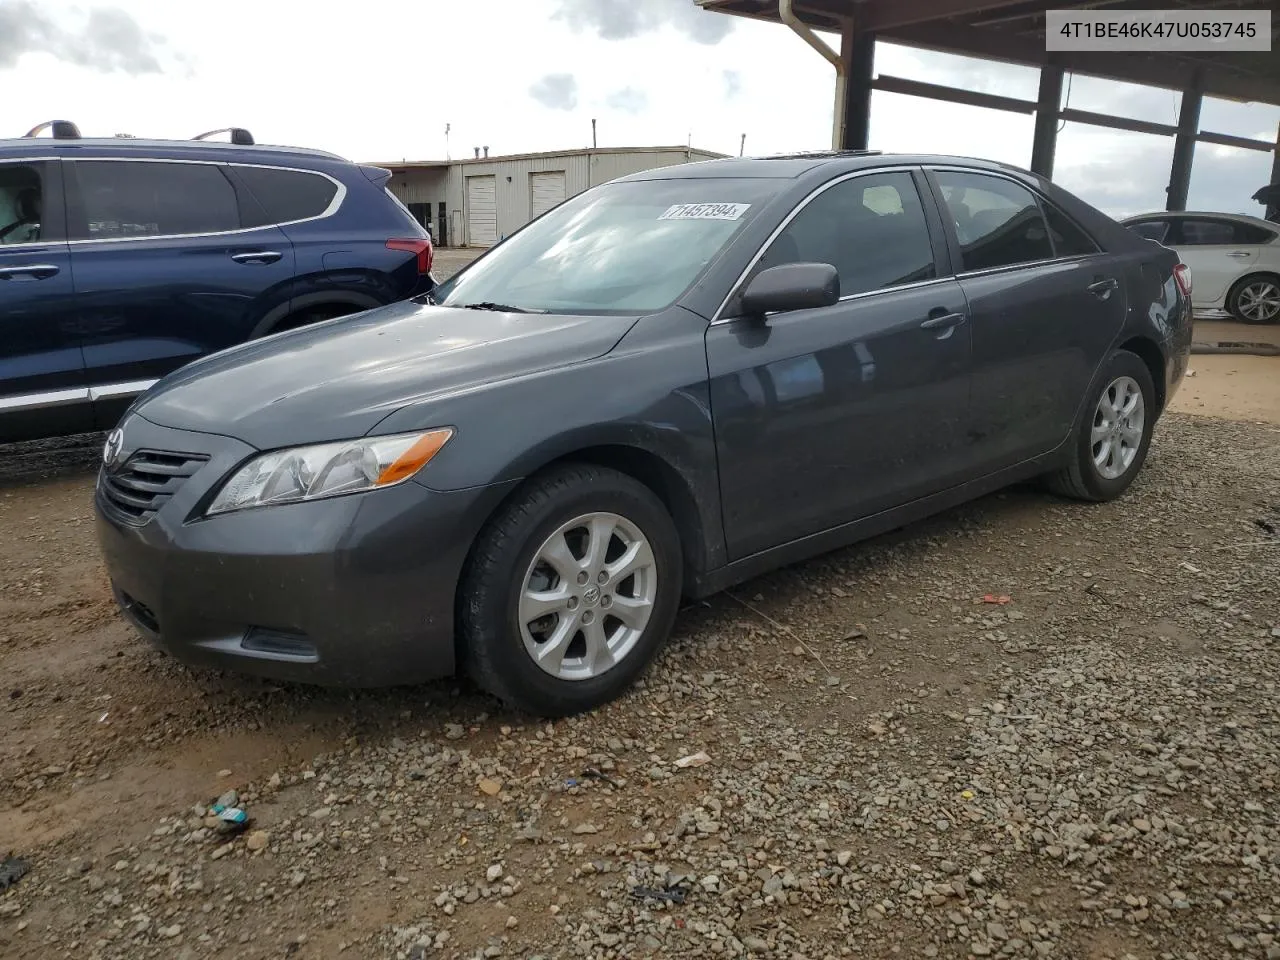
631 247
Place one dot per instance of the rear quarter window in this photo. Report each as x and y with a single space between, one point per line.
288 195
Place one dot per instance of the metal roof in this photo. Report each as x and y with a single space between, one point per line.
1014 31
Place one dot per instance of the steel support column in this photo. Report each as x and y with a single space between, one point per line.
1273 208
1045 145
1184 144
858 51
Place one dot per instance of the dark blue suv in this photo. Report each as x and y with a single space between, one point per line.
124 259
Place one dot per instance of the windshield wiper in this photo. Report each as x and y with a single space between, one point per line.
496 307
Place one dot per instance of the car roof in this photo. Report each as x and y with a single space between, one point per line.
122 146
1168 214
792 165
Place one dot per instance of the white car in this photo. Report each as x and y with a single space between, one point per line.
1234 259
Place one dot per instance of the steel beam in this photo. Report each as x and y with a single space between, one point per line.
1044 146
858 51
1184 145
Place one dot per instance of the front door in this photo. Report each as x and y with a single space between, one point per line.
42 378
1045 304
165 271
825 416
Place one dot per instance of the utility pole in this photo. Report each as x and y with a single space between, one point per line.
593 133
447 128
742 146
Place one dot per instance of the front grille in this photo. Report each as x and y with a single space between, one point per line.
146 482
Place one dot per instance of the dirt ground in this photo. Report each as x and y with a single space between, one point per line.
1088 769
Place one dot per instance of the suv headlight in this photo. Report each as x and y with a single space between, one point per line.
328 470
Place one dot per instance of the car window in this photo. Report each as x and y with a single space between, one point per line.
872 229
1200 233
287 195
21 203
625 247
1251 233
1069 240
143 199
998 222
1156 230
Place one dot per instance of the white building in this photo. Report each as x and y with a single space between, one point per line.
477 201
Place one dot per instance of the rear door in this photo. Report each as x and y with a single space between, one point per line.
1217 254
1045 302
42 378
166 269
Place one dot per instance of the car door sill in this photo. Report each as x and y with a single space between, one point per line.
795 551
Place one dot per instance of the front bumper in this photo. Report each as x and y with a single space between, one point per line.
351 591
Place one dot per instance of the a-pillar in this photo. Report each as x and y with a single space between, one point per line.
1184 144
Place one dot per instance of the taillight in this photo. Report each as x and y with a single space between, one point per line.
1182 273
419 246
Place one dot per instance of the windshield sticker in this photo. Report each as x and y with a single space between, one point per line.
705 211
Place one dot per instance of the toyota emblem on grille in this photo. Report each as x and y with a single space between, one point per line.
111 449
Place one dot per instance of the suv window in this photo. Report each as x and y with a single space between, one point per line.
127 198
998 222
287 195
1202 233
21 203
872 229
1156 230
1068 239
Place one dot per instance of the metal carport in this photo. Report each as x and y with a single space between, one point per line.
1013 31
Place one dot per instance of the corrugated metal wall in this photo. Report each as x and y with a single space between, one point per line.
582 170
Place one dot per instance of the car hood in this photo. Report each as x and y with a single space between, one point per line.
339 378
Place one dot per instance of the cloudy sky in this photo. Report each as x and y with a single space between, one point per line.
380 80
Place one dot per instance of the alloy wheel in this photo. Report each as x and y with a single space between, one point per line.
1118 424
1259 301
587 596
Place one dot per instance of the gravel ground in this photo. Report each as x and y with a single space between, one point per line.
895 768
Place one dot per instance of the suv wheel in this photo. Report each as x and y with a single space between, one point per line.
570 591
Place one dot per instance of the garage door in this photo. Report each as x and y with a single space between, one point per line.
546 190
482 211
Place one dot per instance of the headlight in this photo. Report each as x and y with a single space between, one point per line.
328 470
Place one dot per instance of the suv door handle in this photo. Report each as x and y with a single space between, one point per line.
1102 288
35 271
257 256
1240 254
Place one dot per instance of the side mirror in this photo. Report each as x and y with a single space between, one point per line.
791 286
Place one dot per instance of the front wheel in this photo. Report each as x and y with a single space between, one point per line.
1114 434
1255 300
570 591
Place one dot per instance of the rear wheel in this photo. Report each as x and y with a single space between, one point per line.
1113 436
1256 299
571 590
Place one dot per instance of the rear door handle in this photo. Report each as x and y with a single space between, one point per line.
1240 254
257 256
31 271
1102 288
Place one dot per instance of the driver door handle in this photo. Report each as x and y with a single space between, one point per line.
943 321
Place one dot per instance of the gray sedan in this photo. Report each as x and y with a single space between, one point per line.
664 386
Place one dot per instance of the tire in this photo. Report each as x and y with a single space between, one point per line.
1083 478
1240 299
498 649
